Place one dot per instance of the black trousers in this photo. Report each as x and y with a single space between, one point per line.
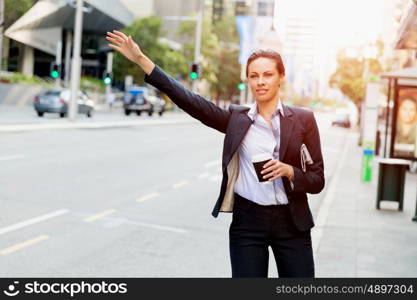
254 228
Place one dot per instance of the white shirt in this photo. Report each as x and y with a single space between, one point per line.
260 138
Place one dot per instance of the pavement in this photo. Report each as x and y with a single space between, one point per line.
351 237
354 239
18 119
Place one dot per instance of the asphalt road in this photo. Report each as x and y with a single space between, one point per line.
121 202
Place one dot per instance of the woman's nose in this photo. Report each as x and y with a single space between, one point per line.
261 81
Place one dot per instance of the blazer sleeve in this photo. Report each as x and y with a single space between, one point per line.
312 181
196 106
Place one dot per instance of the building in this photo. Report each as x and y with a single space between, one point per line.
44 33
299 35
395 57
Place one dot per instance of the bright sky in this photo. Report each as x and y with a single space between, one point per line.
340 22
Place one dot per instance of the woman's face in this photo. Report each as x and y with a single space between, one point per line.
263 79
407 111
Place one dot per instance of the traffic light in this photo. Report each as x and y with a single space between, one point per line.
194 71
54 70
241 86
107 78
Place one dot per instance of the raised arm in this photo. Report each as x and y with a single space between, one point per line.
195 105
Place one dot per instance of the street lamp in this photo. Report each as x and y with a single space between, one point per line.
197 46
76 61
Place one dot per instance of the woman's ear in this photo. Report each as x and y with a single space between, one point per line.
281 80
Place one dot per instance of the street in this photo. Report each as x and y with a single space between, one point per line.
122 202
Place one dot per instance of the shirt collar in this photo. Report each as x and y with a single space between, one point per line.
253 111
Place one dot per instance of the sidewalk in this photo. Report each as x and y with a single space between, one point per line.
354 239
15 119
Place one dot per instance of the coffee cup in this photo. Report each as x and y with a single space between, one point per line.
258 161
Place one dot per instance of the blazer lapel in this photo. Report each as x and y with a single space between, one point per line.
286 127
244 123
235 137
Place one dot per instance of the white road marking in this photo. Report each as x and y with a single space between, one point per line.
32 221
212 163
24 244
215 178
323 213
11 157
204 175
180 184
155 226
99 215
147 196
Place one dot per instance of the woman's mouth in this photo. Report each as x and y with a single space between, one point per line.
261 91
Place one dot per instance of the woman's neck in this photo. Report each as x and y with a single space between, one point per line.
267 108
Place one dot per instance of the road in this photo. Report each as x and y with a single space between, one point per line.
121 202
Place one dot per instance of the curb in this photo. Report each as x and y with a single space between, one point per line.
81 125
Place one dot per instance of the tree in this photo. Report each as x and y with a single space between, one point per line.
14 9
220 66
228 58
146 32
209 48
349 74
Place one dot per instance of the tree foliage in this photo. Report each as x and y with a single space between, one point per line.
349 74
220 66
14 9
146 32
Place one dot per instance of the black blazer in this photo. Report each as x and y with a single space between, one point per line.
297 126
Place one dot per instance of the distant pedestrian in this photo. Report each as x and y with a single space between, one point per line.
274 212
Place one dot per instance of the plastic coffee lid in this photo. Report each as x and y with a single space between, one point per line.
261 157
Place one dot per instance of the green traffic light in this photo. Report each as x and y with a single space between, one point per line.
241 86
107 80
193 75
54 74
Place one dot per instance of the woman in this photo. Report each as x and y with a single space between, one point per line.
406 130
264 215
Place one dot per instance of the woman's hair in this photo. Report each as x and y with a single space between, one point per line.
269 53
408 94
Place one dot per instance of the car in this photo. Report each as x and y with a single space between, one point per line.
142 99
56 101
342 120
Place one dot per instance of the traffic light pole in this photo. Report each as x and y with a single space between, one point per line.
58 59
197 47
1 32
76 61
109 69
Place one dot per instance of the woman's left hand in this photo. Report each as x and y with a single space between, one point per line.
275 169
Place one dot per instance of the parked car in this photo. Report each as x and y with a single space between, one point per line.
56 101
142 99
342 120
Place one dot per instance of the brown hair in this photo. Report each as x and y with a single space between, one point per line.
269 53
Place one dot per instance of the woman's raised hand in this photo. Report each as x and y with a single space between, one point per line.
125 45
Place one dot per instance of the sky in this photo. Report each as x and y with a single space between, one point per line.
340 23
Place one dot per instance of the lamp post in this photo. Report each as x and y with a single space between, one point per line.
198 32
76 61
1 32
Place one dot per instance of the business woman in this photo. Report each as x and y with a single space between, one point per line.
275 214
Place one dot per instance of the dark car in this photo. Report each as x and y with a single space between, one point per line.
342 120
56 101
142 99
